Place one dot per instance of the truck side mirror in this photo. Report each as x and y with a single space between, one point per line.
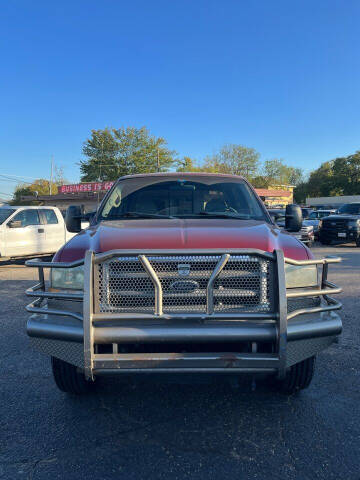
14 224
73 219
293 218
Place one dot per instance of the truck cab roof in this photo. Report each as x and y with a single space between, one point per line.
182 174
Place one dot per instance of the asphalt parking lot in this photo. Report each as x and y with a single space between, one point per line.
153 428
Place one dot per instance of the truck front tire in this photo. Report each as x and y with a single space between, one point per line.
68 379
298 377
324 241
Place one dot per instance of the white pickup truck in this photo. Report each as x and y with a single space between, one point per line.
26 231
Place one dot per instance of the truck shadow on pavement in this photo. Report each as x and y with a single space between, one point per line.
184 409
179 427
244 430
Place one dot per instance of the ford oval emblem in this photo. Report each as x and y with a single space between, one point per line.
184 286
184 269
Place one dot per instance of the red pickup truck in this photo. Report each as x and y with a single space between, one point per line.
183 272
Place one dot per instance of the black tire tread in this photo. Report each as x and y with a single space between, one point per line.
324 241
299 376
68 379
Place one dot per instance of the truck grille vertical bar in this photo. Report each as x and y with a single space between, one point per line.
282 313
263 283
88 310
41 278
210 286
157 284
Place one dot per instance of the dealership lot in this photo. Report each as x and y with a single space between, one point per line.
162 429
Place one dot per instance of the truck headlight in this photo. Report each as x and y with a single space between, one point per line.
300 276
353 224
67 278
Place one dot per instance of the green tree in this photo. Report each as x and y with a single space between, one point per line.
301 192
259 182
235 159
275 171
295 175
38 187
346 173
112 153
321 181
340 176
187 164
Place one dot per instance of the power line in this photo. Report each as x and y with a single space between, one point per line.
8 178
18 176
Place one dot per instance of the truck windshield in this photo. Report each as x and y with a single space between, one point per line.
5 213
164 197
350 208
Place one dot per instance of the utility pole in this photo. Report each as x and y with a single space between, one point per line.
158 160
51 173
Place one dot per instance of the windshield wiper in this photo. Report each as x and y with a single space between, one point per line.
226 215
136 215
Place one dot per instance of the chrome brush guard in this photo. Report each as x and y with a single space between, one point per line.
180 296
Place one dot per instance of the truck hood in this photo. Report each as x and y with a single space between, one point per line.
313 223
346 216
172 234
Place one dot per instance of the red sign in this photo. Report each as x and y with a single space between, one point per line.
85 187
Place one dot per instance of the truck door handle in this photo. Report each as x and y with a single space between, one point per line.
40 230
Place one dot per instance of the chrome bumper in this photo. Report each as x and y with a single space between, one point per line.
295 336
312 326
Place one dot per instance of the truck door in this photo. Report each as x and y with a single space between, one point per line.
54 229
24 234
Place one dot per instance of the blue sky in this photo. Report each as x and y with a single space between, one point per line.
280 76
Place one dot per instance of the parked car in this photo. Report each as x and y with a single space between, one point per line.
343 227
305 234
315 217
182 273
306 212
26 231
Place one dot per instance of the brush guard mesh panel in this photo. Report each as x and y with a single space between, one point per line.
243 285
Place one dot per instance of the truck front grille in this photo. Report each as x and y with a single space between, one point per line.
244 284
338 224
305 230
